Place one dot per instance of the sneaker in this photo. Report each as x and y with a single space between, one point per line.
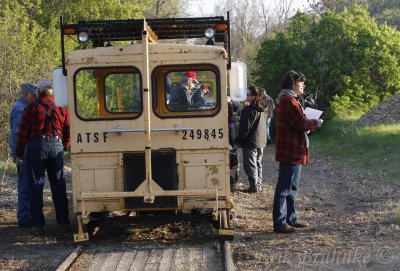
285 228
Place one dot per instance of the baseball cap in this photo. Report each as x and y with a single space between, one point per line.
44 83
29 88
192 75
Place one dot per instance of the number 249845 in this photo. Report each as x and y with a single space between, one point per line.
206 134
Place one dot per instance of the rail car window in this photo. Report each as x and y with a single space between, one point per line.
186 91
123 93
108 93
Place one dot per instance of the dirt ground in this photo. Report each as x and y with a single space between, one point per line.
355 222
355 225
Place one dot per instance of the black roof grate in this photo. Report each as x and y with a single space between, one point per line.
102 31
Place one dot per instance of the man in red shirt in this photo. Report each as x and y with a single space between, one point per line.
291 151
44 129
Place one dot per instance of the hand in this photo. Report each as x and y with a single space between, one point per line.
19 160
320 121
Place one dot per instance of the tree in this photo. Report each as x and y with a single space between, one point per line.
385 11
30 38
251 20
352 60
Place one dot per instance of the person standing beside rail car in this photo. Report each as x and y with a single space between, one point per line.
232 109
44 128
270 114
29 94
251 137
291 151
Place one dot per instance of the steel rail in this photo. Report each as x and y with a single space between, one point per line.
227 261
68 262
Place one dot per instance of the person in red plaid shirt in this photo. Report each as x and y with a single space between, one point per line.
291 151
44 128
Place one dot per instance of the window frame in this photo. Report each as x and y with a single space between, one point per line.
190 113
109 70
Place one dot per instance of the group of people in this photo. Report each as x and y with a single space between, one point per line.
291 145
186 95
39 136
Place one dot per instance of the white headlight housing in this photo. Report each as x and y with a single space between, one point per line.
83 37
209 33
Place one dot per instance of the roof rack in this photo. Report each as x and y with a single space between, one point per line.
102 31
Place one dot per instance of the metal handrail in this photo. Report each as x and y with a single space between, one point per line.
120 130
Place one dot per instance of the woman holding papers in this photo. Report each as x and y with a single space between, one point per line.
291 151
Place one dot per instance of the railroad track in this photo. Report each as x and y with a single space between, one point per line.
213 257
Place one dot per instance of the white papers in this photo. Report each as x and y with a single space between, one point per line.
312 113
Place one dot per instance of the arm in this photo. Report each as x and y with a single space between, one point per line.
23 131
66 130
295 116
15 118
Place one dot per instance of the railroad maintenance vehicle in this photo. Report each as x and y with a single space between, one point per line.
149 116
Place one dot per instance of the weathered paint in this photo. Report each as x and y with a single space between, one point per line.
97 166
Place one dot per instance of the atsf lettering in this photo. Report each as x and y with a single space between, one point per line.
91 137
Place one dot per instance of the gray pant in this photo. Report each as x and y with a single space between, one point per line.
253 167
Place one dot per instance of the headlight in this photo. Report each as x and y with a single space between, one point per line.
209 33
83 37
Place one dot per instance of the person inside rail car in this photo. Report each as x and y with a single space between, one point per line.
198 98
181 94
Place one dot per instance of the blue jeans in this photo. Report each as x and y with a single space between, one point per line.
24 212
252 165
46 154
284 210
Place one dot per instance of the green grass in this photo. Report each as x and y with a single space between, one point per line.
372 149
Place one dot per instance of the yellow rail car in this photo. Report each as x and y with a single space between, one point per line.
133 149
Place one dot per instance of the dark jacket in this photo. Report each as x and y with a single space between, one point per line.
232 108
291 125
198 98
180 99
252 127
